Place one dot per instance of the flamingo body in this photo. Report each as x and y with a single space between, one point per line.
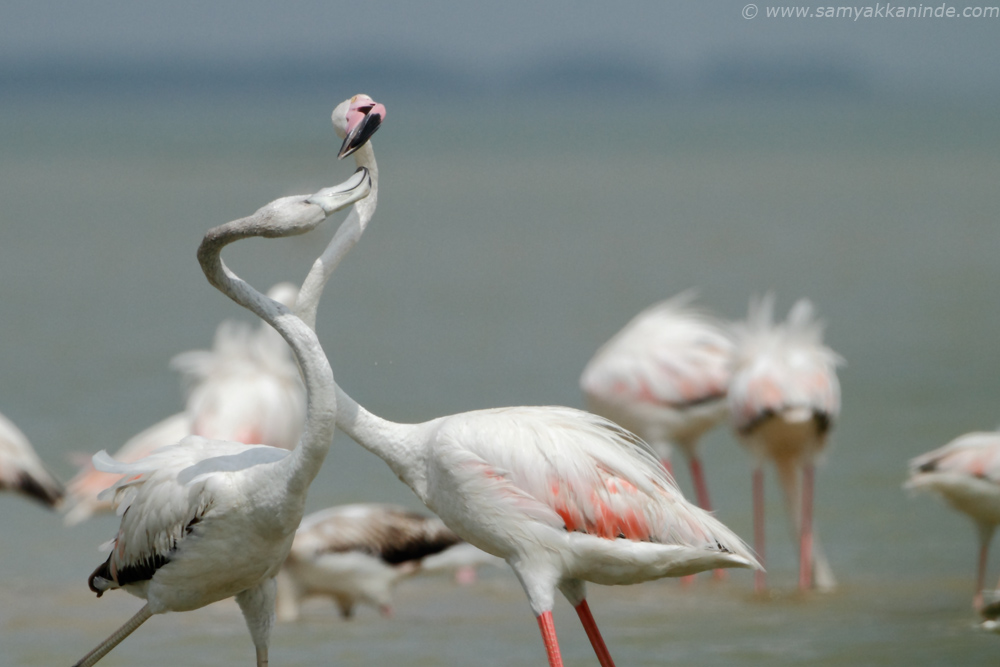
966 474
183 509
565 486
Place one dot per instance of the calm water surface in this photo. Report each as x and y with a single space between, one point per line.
506 249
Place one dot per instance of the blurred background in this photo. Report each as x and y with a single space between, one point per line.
547 171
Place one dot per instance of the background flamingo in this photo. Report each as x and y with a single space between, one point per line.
21 470
783 400
245 389
208 519
358 553
664 376
966 473
562 495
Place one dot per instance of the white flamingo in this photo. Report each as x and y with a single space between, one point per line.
245 389
205 520
664 377
564 496
966 473
22 471
783 400
357 553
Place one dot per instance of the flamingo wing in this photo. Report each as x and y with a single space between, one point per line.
972 455
161 499
569 470
87 484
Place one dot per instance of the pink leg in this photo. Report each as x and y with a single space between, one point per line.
700 488
977 598
590 625
548 628
806 534
759 581
686 580
701 493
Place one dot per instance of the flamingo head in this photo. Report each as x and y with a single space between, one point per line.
355 120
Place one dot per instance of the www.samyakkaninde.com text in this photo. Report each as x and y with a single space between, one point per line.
876 11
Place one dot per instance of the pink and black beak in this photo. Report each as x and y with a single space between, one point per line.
364 117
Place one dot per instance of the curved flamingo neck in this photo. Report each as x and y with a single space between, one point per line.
401 446
284 217
346 237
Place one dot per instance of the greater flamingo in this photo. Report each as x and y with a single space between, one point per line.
783 400
245 389
205 520
21 470
357 553
966 473
562 495
664 377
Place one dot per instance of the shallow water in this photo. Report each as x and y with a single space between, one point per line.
505 251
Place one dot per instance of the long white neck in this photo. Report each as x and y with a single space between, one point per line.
348 234
396 444
284 217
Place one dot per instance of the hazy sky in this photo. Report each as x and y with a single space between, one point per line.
683 38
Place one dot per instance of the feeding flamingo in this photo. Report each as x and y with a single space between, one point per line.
358 553
209 519
664 377
783 400
966 473
21 470
562 495
245 389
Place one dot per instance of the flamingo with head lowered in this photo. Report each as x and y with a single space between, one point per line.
966 473
564 496
783 401
358 553
205 520
21 470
